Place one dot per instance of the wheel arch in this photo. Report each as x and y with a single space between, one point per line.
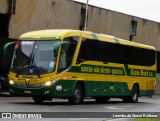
82 84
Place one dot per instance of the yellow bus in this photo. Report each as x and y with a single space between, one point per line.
74 64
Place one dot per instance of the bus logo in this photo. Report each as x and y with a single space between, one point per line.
27 82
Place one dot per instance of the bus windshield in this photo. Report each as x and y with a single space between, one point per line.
34 57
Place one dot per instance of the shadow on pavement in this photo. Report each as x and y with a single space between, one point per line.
66 103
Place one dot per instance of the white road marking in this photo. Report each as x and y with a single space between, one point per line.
118 107
78 105
11 107
116 119
77 119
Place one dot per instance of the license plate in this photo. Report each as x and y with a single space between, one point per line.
27 92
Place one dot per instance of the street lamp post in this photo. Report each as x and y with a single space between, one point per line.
86 17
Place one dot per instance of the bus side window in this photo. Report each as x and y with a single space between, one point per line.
67 53
63 60
92 50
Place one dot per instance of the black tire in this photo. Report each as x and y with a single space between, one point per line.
134 96
1 85
102 99
38 100
77 97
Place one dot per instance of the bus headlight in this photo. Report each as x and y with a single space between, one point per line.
11 82
48 83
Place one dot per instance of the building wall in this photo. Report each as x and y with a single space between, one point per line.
109 22
148 32
65 14
3 6
44 14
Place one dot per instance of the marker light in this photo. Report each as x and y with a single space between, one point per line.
58 87
11 82
50 82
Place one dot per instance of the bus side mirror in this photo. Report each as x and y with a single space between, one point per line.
58 45
6 48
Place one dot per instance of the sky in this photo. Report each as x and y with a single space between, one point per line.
147 9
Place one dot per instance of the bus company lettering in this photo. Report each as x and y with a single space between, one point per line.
117 71
105 70
145 73
135 72
102 70
87 69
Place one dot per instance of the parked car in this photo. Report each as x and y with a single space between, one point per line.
4 82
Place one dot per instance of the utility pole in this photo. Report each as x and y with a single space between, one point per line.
86 17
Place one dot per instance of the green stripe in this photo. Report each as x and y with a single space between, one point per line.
95 69
139 72
109 70
126 69
94 36
92 88
96 88
116 41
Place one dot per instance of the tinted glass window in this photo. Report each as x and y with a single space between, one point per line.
158 61
91 50
94 50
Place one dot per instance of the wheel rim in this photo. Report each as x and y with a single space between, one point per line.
77 95
134 96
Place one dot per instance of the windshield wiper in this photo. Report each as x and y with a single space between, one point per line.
18 71
34 65
30 61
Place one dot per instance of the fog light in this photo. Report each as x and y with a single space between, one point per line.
48 83
47 92
11 82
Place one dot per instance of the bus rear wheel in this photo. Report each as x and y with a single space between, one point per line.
134 95
77 97
38 100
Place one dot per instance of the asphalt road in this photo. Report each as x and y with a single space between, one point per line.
91 110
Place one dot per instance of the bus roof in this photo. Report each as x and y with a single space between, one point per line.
47 34
60 33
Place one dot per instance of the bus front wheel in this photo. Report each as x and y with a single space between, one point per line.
77 97
38 100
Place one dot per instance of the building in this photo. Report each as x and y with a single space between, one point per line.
19 16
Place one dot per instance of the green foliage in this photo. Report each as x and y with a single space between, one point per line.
146 119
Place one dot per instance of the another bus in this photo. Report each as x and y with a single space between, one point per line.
74 64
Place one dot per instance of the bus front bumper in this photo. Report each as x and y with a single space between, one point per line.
60 90
21 91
